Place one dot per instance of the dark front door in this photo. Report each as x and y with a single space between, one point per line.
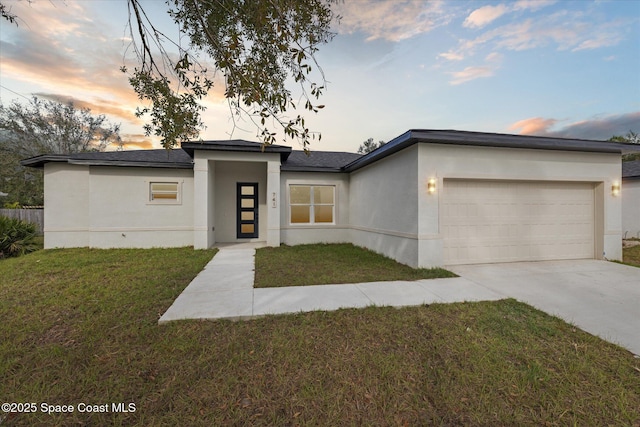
247 211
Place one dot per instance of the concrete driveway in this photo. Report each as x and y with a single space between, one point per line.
600 297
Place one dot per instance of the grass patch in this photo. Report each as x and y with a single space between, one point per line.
321 264
631 256
80 325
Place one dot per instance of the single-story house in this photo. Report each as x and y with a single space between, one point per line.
426 198
631 199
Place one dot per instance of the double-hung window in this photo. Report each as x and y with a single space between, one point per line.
312 204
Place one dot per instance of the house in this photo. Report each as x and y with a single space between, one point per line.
631 199
426 198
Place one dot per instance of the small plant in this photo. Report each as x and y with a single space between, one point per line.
16 237
12 205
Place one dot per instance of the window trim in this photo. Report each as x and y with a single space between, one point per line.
150 193
311 204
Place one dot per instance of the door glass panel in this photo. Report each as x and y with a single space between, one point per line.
246 190
323 195
300 214
300 194
323 213
246 228
246 216
246 203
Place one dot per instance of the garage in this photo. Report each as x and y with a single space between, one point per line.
503 221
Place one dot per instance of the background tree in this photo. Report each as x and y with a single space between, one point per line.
630 138
45 127
368 146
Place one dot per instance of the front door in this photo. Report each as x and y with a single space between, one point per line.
247 210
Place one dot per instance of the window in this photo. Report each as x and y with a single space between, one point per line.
164 192
311 204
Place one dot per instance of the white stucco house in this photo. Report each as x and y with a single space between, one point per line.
426 198
631 199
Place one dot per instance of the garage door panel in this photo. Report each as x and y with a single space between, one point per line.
501 221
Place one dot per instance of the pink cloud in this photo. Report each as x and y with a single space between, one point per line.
533 126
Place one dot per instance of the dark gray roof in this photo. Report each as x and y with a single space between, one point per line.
631 169
177 158
237 145
319 161
489 140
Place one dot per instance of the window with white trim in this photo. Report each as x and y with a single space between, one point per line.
164 192
311 204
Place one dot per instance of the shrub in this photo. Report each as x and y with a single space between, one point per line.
16 237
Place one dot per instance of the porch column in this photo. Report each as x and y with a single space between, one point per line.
273 203
203 236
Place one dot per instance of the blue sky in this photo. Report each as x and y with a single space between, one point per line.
563 68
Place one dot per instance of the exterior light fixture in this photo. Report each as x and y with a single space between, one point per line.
431 186
615 188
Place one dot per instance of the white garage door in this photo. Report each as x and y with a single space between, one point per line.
503 221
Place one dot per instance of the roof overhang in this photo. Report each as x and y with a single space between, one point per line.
481 139
240 146
40 161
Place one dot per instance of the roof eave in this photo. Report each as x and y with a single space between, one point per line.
119 163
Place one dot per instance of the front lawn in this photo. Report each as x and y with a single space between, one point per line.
325 264
80 327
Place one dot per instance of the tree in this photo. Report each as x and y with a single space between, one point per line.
45 127
256 46
368 146
630 138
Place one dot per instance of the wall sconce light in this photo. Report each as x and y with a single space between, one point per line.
615 188
431 186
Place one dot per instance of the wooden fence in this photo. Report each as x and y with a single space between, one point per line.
35 216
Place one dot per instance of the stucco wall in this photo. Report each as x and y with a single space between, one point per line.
631 207
105 207
467 162
383 206
297 234
66 201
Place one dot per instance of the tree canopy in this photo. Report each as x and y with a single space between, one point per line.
368 146
630 138
45 127
256 48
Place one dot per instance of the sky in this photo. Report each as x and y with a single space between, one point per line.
538 67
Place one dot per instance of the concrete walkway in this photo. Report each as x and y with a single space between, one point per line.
224 290
602 298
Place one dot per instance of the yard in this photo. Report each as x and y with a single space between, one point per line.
79 327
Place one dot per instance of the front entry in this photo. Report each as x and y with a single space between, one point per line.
247 210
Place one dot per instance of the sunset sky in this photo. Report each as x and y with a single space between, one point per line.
563 68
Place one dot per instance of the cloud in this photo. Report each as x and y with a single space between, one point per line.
492 63
391 20
598 128
484 15
470 73
68 53
532 5
564 30
137 142
533 126
97 106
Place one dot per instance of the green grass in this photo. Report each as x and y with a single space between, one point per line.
321 264
631 256
80 325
